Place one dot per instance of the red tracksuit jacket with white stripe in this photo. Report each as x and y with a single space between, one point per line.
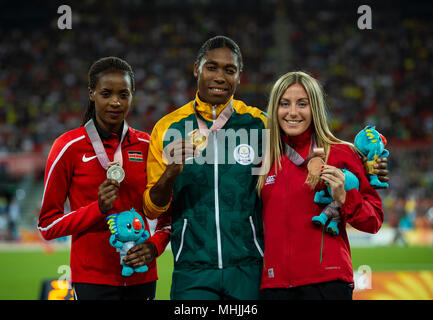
74 172
293 244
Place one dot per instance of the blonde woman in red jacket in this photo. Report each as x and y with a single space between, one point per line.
301 260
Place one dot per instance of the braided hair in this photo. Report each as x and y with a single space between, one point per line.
220 42
99 68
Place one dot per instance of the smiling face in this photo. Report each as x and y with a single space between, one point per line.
112 96
294 111
217 76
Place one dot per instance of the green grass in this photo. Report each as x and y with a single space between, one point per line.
394 258
22 272
165 268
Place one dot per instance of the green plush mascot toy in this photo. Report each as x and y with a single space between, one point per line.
127 229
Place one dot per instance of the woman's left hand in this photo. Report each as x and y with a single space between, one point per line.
335 177
140 255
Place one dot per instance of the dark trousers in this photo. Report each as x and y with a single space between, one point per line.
333 290
229 283
89 291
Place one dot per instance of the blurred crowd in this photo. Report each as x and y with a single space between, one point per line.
44 71
380 76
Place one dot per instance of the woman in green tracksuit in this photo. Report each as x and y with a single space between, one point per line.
217 237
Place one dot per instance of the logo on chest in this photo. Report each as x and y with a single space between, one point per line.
136 156
87 159
270 180
244 154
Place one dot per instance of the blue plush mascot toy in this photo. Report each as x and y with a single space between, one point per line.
127 229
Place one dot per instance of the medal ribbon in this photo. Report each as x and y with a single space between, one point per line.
296 157
220 121
98 146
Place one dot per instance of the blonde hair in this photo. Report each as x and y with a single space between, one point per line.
324 137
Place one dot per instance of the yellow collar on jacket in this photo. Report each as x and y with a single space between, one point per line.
206 109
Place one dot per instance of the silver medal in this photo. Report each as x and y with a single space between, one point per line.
116 173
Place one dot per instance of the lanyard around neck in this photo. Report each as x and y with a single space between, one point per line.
218 123
295 157
98 146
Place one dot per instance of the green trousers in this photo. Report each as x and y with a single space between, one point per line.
231 283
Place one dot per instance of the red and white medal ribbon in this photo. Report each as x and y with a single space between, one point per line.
295 157
218 123
115 173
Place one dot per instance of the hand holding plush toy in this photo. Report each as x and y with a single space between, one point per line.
330 215
127 229
331 212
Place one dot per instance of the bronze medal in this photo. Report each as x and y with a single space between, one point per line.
314 166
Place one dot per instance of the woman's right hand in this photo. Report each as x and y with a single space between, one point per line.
107 194
175 155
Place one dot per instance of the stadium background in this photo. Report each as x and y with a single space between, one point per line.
381 76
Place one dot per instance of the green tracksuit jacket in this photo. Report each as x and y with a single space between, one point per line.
216 213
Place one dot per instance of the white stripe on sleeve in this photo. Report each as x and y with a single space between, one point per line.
55 162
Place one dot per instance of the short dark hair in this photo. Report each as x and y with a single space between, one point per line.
97 69
220 42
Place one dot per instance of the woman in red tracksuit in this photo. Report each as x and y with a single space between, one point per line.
301 260
74 171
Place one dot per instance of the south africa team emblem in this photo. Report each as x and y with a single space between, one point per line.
244 154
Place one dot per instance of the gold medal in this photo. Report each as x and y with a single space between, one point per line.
198 139
370 165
